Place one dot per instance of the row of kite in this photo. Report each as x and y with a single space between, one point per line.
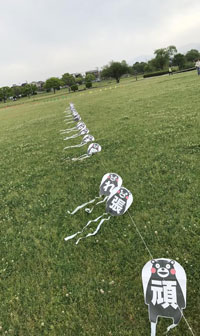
164 280
80 129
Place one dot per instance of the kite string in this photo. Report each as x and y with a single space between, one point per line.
143 240
140 235
189 326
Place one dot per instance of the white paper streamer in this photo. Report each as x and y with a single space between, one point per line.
79 145
82 157
69 119
87 138
70 122
81 132
89 210
88 223
79 126
95 232
69 130
70 116
72 136
83 205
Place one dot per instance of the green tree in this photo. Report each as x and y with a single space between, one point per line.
5 92
139 67
115 70
1 94
26 90
16 91
171 51
192 55
88 85
53 83
74 87
79 80
161 59
150 66
33 89
89 78
179 60
68 79
164 56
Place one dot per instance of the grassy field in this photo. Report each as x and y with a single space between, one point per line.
149 133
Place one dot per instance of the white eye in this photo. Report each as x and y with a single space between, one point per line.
168 266
157 266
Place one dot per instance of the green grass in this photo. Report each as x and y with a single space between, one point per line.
149 133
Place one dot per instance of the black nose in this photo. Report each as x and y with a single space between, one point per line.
162 269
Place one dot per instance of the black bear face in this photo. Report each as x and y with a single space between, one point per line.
113 177
163 269
123 193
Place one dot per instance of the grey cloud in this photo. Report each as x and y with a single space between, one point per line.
40 39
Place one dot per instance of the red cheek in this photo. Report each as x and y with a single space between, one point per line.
153 270
118 191
173 271
126 197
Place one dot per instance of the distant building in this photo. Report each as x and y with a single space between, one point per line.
39 84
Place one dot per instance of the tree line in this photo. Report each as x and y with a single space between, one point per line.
53 83
164 58
70 81
17 91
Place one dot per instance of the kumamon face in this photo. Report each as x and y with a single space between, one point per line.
113 177
163 268
123 193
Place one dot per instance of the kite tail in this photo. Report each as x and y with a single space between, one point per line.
72 136
97 228
69 115
68 118
88 223
68 130
82 206
79 145
70 122
82 157
89 210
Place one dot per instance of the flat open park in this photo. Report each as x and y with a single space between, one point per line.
149 133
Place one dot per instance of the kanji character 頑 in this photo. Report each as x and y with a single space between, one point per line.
164 293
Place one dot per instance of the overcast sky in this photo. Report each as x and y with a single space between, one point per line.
44 38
